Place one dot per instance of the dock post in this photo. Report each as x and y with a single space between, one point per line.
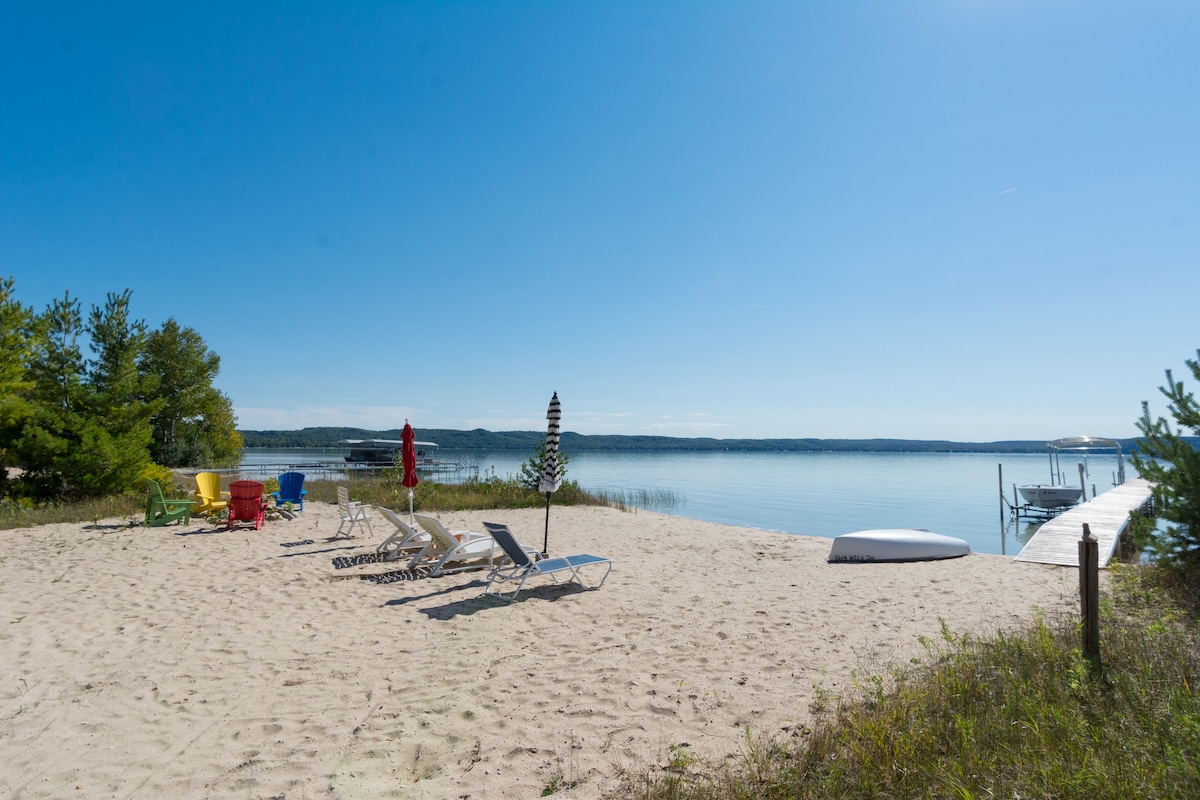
1082 485
1089 595
1001 468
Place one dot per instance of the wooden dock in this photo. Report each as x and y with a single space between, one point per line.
1107 516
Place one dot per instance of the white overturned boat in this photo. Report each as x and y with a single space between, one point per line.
896 544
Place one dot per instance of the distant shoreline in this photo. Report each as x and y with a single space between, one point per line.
480 439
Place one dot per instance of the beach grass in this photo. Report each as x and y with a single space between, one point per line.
24 514
1011 715
486 491
625 499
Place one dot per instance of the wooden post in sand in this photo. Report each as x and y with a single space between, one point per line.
1000 467
1089 595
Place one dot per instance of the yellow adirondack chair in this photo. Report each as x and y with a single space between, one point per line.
209 497
160 511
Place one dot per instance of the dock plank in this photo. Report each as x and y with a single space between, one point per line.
1107 516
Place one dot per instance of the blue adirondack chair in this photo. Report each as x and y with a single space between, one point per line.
291 490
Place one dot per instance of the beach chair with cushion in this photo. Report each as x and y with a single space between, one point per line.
246 504
454 551
209 497
160 510
404 539
352 514
291 490
521 567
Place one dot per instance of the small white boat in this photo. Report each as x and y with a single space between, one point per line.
1046 496
896 544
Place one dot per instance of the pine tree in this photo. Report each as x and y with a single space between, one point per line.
88 431
121 398
51 430
195 424
1173 466
18 335
532 469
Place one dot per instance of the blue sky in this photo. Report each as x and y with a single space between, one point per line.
960 220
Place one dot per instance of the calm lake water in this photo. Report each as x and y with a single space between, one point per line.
815 494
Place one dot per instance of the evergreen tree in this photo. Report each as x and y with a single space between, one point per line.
117 451
531 470
18 335
195 424
1173 466
88 431
51 430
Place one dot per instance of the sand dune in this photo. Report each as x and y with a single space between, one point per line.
194 662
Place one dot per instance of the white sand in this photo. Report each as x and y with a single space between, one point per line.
190 662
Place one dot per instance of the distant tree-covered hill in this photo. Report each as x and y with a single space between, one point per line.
480 439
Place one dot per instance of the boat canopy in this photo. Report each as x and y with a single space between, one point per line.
380 443
1084 443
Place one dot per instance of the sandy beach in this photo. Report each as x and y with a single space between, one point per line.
191 662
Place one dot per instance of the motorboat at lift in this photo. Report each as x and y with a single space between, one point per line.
1058 494
1048 496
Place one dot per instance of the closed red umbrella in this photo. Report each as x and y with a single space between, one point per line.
408 459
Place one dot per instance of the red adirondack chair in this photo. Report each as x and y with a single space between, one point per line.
246 503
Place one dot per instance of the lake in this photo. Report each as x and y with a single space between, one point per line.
814 494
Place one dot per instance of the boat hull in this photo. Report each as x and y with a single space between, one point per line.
1046 496
895 544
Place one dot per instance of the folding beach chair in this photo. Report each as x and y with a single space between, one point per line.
523 565
352 514
456 551
405 538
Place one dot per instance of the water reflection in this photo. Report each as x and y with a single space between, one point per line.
1016 533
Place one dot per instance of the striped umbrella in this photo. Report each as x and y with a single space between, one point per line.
408 459
551 474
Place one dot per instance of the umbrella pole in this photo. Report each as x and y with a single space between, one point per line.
410 514
546 536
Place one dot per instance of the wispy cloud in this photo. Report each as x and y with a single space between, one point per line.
1006 191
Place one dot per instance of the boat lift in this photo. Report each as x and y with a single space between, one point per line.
1016 509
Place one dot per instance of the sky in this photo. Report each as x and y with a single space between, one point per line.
971 220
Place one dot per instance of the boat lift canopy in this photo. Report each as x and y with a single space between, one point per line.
1085 443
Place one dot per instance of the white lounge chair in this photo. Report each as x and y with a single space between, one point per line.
352 514
455 551
521 565
405 538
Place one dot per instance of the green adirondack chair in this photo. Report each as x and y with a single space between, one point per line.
160 511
